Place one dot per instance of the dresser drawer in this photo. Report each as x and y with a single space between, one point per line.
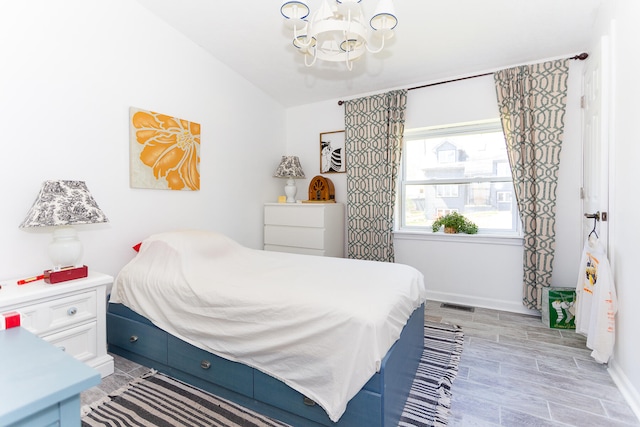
295 250
60 313
295 215
304 228
80 342
311 238
200 363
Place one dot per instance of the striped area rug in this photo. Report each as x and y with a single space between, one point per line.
158 400
429 401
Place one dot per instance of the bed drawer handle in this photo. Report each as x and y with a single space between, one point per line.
308 402
133 338
205 364
72 311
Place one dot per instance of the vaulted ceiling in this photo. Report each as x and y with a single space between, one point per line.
434 40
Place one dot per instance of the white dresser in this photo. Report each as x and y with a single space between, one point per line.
304 228
70 315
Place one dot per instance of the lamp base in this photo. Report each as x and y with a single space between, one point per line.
65 249
290 190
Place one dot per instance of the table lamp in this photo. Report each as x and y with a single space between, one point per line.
60 205
290 168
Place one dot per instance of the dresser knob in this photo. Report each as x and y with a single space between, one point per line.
308 402
133 338
205 364
72 311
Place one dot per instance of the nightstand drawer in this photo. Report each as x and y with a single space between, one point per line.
79 342
69 313
59 313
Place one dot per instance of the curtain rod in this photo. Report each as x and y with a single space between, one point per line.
580 57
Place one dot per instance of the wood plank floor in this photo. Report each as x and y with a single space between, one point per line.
514 371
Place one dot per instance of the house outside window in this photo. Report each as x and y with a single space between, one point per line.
447 190
443 212
458 168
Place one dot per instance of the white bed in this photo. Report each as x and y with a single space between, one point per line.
320 325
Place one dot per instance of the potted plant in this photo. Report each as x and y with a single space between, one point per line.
454 223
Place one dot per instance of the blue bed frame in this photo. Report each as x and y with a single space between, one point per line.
378 404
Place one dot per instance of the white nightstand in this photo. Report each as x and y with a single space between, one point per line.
304 228
70 315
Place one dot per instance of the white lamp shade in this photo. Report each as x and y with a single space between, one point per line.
294 9
325 11
384 17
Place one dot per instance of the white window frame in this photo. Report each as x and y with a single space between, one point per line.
484 126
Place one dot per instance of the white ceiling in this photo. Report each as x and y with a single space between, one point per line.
435 40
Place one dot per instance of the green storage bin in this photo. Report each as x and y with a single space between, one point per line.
558 308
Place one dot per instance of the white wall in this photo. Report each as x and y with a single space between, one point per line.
304 125
70 71
619 21
491 275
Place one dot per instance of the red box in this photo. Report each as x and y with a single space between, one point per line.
69 273
9 320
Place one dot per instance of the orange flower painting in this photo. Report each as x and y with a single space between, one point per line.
165 151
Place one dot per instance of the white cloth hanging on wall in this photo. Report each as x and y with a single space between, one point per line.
596 303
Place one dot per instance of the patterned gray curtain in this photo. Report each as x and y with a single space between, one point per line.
374 126
532 101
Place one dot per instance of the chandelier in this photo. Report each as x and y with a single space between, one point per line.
337 31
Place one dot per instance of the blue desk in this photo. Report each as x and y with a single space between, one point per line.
40 385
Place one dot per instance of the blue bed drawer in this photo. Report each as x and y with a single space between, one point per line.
139 338
202 364
365 409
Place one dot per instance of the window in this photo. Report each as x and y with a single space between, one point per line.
461 168
447 190
504 196
446 156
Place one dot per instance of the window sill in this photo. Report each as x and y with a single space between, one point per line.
490 239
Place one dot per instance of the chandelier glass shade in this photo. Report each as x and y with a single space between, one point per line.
338 31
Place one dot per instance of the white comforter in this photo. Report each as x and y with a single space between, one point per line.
321 325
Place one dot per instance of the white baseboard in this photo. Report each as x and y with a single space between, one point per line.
491 303
103 364
629 392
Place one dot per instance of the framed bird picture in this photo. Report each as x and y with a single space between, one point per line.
332 152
